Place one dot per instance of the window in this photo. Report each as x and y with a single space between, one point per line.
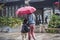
7 11
2 12
10 11
13 11
16 9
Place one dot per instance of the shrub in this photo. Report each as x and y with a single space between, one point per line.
54 23
10 21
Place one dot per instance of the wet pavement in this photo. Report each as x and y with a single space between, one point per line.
39 36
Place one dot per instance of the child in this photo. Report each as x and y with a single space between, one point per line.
24 29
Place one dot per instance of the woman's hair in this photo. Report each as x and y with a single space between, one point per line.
27 5
25 21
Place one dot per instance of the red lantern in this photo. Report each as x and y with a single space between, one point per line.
56 3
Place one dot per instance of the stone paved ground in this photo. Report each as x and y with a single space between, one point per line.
39 36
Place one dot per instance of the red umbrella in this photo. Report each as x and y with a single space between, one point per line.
56 3
25 10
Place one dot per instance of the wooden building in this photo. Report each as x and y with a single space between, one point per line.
10 7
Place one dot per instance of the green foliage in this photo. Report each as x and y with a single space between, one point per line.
54 22
10 21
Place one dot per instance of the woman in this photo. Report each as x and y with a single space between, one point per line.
31 21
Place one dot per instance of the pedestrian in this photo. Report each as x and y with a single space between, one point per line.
46 19
31 21
40 19
24 29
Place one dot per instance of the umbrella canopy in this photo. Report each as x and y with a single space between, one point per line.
25 10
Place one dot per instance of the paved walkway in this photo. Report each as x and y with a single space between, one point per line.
39 36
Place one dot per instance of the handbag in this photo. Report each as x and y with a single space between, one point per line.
25 28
